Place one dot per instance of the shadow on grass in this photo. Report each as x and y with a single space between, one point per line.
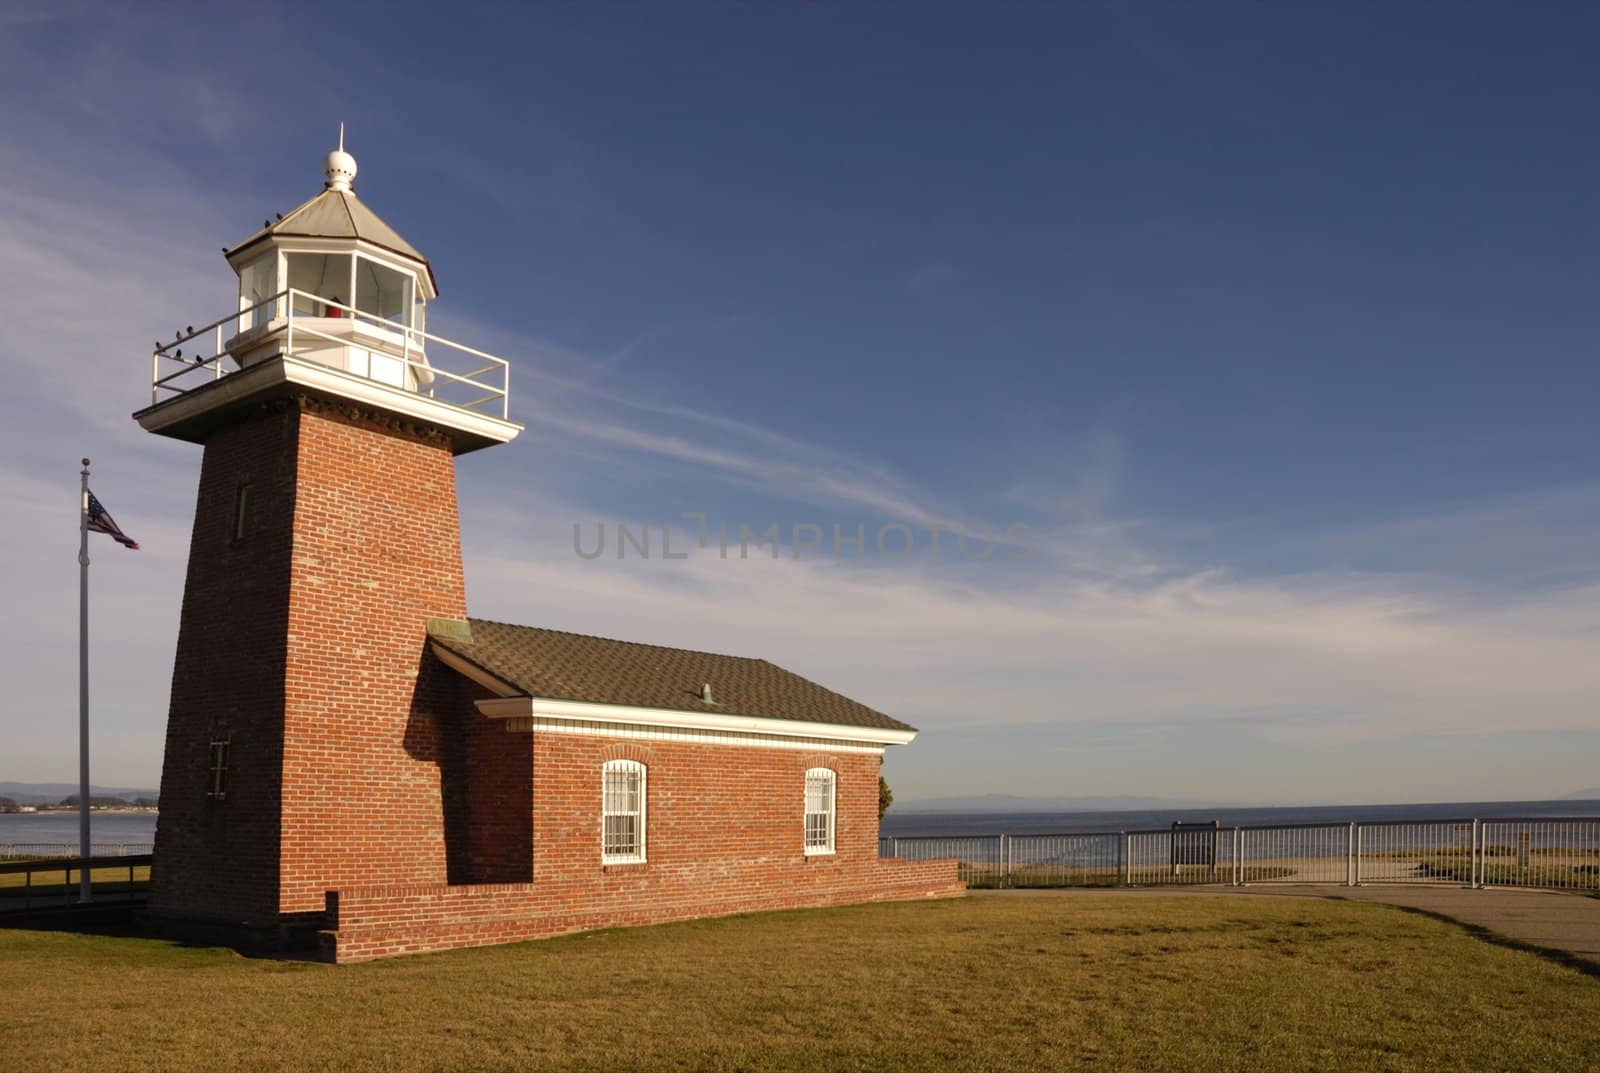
1564 958
112 918
125 921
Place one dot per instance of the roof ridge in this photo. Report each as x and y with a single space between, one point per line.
620 641
345 197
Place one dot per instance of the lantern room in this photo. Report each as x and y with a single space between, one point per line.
355 291
329 298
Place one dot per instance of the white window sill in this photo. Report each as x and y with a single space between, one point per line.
816 852
606 861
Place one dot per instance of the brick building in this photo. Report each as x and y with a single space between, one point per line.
351 759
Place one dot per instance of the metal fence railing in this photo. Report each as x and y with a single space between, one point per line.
1305 854
70 849
58 882
1561 854
1062 860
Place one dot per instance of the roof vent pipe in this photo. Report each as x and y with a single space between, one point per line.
705 693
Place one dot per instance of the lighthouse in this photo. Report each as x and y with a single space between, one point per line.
304 740
355 764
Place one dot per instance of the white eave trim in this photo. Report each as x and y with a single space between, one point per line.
546 708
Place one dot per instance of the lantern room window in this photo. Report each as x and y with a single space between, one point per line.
382 291
328 281
324 276
258 282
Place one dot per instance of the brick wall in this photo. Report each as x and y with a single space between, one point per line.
724 834
218 859
377 552
305 645
497 809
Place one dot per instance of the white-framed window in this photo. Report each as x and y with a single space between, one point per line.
622 812
819 810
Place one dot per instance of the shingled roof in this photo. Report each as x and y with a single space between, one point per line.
555 665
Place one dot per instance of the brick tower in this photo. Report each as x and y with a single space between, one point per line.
304 741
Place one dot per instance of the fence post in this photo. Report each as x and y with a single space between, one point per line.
1238 856
1356 882
1350 856
1125 864
894 847
1477 854
1000 859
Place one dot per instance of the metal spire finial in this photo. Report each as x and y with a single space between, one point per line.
340 168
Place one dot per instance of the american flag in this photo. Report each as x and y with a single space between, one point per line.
101 522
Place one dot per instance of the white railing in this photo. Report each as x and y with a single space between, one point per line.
1091 860
1293 853
443 370
980 856
1560 854
70 849
1563 854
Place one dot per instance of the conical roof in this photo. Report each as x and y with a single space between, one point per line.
337 213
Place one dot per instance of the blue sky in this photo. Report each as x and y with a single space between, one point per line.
1273 325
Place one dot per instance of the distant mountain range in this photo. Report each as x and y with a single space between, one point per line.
1014 803
48 793
1591 794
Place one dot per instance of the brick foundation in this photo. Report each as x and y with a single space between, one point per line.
375 922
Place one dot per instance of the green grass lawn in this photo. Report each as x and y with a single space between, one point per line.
983 983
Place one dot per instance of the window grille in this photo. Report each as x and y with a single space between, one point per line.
219 770
819 810
622 831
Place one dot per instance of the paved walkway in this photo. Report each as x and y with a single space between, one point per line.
1567 924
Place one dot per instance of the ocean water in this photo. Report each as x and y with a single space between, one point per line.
51 827
116 827
910 823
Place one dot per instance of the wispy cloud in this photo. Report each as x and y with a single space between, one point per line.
1452 625
1308 661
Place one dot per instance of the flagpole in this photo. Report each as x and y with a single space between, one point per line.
84 894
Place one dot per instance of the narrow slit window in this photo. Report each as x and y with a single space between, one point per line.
622 812
218 784
242 506
819 811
